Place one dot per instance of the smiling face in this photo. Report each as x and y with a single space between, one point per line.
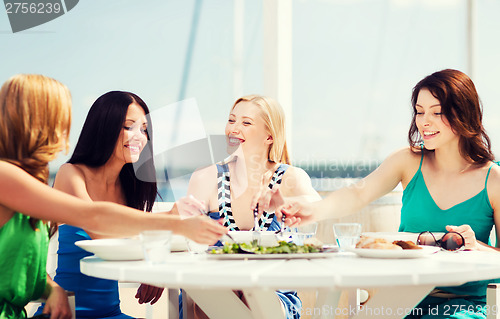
247 128
133 136
431 123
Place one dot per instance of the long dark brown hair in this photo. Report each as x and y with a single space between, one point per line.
461 106
98 139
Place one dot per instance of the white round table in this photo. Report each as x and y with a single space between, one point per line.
400 283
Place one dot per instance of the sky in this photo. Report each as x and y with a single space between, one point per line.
354 63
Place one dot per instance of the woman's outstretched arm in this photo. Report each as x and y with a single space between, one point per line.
22 193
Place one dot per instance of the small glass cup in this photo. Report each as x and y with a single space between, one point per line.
301 233
156 245
347 235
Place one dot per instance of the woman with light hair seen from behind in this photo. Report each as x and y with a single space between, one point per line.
36 116
256 139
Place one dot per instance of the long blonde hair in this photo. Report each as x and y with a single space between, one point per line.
274 118
35 112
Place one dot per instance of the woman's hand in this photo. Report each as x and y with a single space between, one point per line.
202 229
147 293
267 199
297 212
188 206
57 301
468 234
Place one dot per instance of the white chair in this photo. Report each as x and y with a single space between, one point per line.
32 307
493 301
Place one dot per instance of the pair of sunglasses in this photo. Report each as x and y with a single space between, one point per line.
449 241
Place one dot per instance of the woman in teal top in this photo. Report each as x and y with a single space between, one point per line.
421 213
448 177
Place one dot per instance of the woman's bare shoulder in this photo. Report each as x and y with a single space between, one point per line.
7 166
494 178
202 174
296 182
71 178
493 186
71 169
404 158
403 163
406 154
10 172
295 172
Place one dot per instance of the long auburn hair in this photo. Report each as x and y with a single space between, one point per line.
461 106
274 118
98 139
36 119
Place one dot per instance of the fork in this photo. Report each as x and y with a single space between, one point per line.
256 234
203 212
282 224
230 237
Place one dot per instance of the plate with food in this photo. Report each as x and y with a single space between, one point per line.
284 250
372 247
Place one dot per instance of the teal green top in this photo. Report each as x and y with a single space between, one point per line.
23 256
420 213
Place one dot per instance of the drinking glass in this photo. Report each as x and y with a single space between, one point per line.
156 245
347 235
301 233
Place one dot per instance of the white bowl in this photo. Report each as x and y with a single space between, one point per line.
113 248
267 238
125 248
178 243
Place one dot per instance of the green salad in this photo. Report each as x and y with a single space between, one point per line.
252 248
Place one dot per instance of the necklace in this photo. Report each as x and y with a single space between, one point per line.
465 168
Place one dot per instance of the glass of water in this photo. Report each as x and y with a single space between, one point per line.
303 232
347 235
156 245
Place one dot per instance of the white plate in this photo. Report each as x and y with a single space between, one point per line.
393 253
125 248
113 248
270 256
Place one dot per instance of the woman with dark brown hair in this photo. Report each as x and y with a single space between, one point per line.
36 118
448 177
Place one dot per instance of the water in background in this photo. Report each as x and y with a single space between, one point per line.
170 192
324 178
